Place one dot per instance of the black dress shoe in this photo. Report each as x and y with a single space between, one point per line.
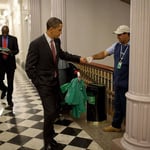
54 143
3 94
50 147
10 106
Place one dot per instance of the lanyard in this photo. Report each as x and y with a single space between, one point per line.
122 54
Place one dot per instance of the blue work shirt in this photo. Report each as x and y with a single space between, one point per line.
121 63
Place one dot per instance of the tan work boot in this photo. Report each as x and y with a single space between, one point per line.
111 129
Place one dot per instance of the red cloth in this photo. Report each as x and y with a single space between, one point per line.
5 46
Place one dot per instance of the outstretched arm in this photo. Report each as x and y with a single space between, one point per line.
100 55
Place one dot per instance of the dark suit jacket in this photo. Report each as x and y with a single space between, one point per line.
40 66
10 63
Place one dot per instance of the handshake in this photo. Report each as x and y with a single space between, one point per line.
89 59
86 59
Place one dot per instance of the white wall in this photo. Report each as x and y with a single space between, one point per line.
90 24
45 13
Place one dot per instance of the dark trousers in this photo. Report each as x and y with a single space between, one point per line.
10 80
119 106
50 97
2 85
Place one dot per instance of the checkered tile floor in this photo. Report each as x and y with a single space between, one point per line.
21 129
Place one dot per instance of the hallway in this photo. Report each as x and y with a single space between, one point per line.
22 128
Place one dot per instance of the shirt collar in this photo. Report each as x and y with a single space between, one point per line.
48 38
6 37
126 44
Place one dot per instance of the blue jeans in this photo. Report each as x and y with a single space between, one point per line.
120 107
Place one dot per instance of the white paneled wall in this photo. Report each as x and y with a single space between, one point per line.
90 24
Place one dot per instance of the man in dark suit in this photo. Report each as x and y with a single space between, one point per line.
8 50
42 68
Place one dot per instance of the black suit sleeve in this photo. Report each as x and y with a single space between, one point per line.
16 49
65 55
31 61
13 45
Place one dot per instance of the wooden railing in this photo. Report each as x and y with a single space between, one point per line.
99 74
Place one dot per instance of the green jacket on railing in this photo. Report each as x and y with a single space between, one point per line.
75 96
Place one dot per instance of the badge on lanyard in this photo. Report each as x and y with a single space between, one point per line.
119 65
122 54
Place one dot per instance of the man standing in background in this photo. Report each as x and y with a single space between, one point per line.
8 50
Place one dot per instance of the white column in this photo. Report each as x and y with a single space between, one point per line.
35 7
137 134
58 9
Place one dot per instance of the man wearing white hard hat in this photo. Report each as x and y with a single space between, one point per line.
120 50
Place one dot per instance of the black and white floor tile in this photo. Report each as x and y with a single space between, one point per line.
21 129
